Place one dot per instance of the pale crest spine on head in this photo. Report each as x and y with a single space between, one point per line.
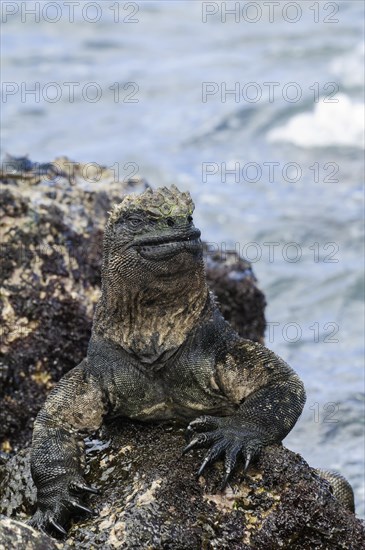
161 202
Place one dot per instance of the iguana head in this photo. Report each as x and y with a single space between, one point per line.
154 287
152 233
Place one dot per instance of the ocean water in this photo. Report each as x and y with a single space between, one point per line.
259 114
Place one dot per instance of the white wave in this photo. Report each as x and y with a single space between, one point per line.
350 66
329 124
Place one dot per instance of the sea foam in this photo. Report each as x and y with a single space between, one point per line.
329 124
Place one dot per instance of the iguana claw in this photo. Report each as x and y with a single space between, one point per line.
80 486
80 508
229 438
57 526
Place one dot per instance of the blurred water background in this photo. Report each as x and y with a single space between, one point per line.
149 81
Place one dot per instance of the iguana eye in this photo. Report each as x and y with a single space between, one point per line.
134 222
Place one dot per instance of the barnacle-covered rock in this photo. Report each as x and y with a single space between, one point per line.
16 534
150 498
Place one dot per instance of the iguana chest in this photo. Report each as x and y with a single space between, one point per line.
183 389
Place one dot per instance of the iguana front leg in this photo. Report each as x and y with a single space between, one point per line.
57 460
270 398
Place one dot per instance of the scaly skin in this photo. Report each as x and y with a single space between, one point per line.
341 488
160 349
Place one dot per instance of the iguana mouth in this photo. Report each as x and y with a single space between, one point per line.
192 235
164 247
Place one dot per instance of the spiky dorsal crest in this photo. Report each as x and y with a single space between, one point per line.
161 202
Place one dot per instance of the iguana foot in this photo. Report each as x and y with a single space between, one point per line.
226 436
57 503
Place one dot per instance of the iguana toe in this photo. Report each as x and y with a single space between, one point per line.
57 526
213 454
81 486
77 507
46 522
200 441
230 439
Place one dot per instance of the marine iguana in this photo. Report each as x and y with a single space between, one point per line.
160 350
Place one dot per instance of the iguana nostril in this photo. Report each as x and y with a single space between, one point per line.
170 222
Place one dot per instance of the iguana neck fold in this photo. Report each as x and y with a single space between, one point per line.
153 321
